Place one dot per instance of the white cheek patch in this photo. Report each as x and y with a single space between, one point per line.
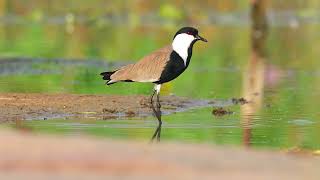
181 44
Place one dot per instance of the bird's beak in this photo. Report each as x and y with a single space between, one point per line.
198 37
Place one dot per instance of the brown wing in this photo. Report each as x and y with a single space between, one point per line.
148 69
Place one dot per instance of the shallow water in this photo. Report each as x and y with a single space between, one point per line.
283 87
282 116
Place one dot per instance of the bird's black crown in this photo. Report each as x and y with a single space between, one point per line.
188 30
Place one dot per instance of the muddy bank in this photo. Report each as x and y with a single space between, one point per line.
28 156
44 106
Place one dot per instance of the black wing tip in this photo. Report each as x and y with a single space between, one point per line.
107 75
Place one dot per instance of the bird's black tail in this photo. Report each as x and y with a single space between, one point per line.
107 76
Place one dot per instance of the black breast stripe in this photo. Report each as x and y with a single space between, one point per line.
174 67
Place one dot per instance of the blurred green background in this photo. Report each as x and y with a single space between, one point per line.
49 46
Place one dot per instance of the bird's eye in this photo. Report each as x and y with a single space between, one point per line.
190 33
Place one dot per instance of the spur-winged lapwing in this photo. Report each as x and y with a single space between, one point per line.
159 67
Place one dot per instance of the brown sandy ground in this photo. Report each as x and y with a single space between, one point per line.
28 156
43 106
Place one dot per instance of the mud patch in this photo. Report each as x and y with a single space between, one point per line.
46 106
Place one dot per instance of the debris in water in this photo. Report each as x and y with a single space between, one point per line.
268 105
221 112
240 101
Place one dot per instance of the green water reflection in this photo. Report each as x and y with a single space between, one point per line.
272 129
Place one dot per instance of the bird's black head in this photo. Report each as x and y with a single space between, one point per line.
183 42
190 31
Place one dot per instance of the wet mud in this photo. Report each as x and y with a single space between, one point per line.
45 106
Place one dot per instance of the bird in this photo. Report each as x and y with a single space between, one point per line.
159 67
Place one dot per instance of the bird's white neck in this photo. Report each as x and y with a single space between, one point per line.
181 44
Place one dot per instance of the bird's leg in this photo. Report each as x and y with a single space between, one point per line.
151 98
157 132
157 88
152 105
157 113
159 105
